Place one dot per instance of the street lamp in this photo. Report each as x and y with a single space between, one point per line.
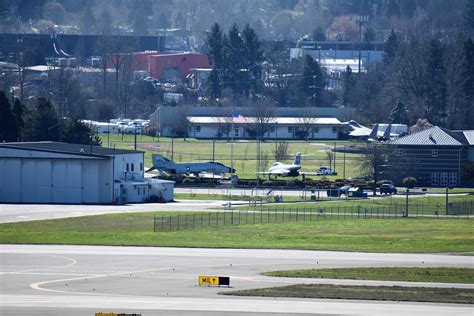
361 20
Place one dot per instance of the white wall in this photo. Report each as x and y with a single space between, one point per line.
133 161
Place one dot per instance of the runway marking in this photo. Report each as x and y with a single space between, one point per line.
38 285
73 262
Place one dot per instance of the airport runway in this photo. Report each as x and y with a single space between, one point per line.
82 280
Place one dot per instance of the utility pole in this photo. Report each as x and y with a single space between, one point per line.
361 20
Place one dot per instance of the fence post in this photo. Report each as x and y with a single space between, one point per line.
194 221
154 223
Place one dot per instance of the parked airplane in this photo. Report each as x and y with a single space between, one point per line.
285 170
163 164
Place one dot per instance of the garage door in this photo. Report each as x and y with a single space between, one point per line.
10 185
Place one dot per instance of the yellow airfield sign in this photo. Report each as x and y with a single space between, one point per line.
208 280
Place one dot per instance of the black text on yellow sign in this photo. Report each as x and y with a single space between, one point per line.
214 280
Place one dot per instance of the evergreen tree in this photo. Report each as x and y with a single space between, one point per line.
88 20
469 12
436 85
312 82
467 107
76 132
347 82
215 47
399 114
8 128
41 124
390 8
233 50
19 114
253 58
390 47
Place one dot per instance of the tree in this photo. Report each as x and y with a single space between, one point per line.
469 12
312 81
390 47
76 132
347 83
41 123
104 23
467 172
253 58
390 8
374 163
262 114
180 124
306 122
8 127
281 151
409 182
215 48
319 34
436 110
19 112
398 114
88 21
55 12
233 61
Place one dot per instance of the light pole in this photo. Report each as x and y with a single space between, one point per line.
361 20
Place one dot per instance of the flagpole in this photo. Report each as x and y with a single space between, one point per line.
232 149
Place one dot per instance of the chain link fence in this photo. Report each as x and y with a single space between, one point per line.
339 212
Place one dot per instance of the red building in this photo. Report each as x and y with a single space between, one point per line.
176 66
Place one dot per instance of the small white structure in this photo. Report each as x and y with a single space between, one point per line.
53 172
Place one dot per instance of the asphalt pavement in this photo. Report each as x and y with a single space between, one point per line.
82 280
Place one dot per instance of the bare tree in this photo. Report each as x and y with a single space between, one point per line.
329 155
306 122
375 163
180 123
262 119
224 121
281 151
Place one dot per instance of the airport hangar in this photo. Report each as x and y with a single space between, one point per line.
62 173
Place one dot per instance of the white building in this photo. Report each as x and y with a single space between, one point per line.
53 172
279 127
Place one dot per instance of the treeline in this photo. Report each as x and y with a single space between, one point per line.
41 123
272 19
423 75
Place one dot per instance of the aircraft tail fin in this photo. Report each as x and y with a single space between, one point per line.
374 132
297 160
386 135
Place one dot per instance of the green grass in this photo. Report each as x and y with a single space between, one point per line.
422 205
366 235
244 152
444 275
380 293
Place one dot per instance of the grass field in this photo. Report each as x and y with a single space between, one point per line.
244 152
380 293
366 235
444 275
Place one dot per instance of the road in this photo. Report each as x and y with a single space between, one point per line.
82 280
29 212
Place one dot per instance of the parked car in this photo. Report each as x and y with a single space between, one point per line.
388 188
325 171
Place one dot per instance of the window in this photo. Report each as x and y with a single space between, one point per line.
133 167
334 129
453 179
198 129
434 153
127 167
236 132
316 129
398 152
435 178
290 129
141 166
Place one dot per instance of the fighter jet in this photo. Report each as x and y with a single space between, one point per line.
285 170
163 164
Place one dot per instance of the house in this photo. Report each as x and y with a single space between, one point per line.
62 173
434 156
